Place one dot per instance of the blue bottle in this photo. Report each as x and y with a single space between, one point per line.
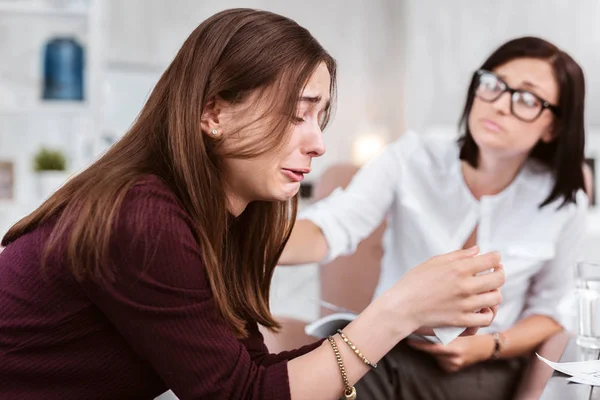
63 69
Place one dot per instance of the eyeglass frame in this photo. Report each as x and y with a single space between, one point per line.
545 104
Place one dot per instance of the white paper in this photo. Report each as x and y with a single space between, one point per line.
333 307
584 381
329 325
426 338
584 371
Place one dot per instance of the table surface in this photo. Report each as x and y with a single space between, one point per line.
559 388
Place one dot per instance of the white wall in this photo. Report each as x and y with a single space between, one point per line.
363 35
448 40
142 36
401 63
24 126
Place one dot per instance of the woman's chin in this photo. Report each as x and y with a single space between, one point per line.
287 191
490 142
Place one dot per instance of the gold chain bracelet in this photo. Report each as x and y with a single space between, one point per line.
355 350
349 391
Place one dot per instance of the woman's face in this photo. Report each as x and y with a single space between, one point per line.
276 175
498 130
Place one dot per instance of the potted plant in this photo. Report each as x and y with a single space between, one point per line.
51 169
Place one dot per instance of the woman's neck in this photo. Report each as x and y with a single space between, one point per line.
236 205
492 175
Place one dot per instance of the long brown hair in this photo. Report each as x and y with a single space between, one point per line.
230 55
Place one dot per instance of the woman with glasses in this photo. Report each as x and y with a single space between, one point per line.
513 182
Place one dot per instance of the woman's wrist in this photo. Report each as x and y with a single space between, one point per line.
492 345
488 346
394 315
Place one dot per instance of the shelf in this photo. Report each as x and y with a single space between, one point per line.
37 8
48 108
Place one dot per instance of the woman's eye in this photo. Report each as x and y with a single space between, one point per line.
322 118
528 99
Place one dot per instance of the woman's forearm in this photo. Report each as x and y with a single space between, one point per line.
376 331
443 291
307 244
527 335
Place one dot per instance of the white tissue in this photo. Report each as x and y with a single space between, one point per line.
447 335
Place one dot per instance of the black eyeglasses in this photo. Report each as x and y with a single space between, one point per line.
524 105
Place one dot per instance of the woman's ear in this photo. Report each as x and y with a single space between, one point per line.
209 121
549 134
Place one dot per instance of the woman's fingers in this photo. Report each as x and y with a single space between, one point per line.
477 319
488 282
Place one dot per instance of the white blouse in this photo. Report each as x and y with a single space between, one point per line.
417 184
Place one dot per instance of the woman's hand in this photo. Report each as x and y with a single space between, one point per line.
468 332
460 353
447 290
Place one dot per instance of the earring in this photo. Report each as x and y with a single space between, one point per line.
214 132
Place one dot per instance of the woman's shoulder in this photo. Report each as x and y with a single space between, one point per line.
537 181
151 191
153 227
150 185
151 204
431 150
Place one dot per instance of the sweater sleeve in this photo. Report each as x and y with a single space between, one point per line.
259 353
163 307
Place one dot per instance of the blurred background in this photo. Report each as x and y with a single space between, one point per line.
75 73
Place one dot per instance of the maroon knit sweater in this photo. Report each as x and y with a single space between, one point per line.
157 328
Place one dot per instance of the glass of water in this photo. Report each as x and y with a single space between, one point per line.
587 281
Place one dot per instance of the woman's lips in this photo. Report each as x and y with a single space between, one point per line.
296 175
491 125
